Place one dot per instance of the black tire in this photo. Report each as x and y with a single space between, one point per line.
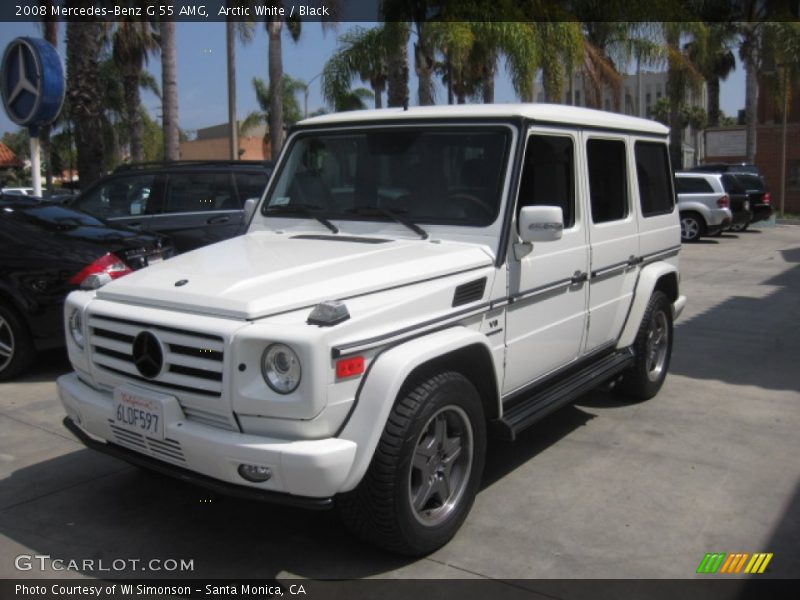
381 510
645 378
739 227
16 345
693 226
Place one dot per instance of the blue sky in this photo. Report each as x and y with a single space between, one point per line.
202 84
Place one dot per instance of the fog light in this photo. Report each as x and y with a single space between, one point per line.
255 473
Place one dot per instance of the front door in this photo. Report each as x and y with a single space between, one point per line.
546 317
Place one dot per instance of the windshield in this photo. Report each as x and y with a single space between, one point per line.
423 175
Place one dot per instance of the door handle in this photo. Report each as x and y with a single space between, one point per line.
217 220
579 277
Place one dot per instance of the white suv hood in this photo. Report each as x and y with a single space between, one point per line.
264 273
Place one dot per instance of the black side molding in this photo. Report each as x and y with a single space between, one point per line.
215 485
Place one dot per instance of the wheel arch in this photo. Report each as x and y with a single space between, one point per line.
458 349
661 276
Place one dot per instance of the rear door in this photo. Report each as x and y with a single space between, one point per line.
659 226
614 237
125 200
199 208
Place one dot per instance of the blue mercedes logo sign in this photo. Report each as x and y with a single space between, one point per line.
148 356
31 81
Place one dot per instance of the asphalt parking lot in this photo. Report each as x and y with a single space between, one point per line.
603 489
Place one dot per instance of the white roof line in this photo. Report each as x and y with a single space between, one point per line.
544 113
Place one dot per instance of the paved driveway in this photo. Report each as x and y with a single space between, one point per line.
601 489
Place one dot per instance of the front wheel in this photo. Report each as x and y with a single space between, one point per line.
653 349
16 346
426 470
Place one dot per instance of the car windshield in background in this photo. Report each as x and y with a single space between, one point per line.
450 176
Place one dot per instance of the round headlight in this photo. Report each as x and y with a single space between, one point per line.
280 367
75 324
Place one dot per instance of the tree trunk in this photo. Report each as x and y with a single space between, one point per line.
423 66
397 92
275 59
83 82
487 86
51 35
713 101
675 93
377 88
233 125
449 67
169 89
133 103
750 106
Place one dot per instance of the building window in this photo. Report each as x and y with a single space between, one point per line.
793 175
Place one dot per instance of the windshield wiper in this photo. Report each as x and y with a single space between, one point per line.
307 209
374 211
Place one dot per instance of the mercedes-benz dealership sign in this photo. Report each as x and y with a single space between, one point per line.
32 82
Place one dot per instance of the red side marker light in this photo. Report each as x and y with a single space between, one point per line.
349 367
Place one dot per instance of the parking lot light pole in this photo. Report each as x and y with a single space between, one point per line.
783 137
305 94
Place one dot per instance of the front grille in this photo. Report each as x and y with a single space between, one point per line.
192 361
169 450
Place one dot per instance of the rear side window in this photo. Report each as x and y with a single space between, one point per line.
118 197
200 192
692 185
250 185
732 184
608 180
655 179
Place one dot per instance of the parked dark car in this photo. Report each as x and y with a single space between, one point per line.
46 251
752 187
726 168
195 203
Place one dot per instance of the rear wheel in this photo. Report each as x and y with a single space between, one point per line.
426 470
739 226
653 349
16 346
692 226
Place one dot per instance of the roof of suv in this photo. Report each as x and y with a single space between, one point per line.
545 113
195 164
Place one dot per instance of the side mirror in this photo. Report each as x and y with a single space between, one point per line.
250 208
540 223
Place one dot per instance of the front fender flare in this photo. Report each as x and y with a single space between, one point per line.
383 381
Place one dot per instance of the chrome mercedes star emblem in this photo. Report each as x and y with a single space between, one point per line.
13 91
147 354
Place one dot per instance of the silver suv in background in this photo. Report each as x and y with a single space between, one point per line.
703 204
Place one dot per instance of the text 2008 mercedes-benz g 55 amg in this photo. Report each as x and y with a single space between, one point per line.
411 280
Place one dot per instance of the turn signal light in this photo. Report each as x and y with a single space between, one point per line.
349 367
724 202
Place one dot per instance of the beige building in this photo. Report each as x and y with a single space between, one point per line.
213 143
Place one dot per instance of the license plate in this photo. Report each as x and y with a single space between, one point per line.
155 258
139 413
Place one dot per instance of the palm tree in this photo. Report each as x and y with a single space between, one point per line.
86 105
290 105
716 61
242 31
363 53
562 48
397 63
277 120
169 85
132 42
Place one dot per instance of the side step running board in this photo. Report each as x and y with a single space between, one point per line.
543 401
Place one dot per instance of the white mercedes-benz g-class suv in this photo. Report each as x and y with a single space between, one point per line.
410 280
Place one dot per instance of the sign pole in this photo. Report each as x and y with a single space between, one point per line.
36 162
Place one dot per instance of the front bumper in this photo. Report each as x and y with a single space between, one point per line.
304 472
